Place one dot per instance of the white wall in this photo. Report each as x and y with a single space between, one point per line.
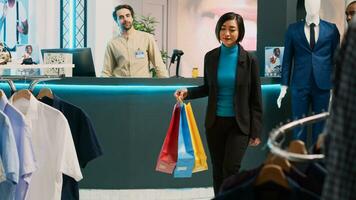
44 23
100 29
334 11
196 28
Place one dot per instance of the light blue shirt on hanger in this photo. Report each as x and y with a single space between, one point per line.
9 157
2 173
22 134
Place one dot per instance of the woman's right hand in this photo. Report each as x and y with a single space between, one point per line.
180 94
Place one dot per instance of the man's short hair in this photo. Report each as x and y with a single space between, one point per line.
231 16
121 7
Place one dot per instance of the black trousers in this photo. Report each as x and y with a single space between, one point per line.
227 146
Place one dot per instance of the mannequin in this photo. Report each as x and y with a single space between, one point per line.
307 66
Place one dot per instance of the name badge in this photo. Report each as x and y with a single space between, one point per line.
139 54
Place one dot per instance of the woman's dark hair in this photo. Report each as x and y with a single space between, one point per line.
231 16
275 50
121 7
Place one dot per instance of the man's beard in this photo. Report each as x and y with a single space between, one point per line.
127 27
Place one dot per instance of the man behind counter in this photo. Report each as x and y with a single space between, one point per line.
130 53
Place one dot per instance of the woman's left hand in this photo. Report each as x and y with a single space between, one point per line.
254 141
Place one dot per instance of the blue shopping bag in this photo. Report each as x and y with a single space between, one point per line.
185 162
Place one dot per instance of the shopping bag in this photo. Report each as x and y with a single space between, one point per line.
200 163
167 158
185 162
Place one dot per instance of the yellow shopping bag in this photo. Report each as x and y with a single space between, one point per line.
200 156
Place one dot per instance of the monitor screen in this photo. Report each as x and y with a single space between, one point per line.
82 60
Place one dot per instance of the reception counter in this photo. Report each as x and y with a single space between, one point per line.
131 117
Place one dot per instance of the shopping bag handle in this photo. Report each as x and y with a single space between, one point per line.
179 100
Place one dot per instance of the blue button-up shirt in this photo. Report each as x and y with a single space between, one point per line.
22 135
2 173
10 159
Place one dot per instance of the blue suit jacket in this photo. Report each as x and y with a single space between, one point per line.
309 62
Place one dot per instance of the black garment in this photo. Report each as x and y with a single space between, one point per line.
227 146
28 61
86 143
340 129
316 174
238 179
269 190
247 98
312 180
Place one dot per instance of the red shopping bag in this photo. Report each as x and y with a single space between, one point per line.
167 158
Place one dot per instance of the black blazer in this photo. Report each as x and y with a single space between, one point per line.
247 98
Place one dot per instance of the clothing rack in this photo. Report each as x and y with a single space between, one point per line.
34 80
278 133
10 82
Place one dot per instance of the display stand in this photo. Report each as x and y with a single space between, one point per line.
34 79
37 66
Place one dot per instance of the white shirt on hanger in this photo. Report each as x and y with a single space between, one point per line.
53 148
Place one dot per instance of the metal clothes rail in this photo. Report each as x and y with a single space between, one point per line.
278 133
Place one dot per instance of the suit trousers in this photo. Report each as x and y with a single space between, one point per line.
227 146
302 100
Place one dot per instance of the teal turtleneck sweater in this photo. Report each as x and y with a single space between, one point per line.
226 80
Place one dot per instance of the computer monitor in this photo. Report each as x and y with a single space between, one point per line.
82 59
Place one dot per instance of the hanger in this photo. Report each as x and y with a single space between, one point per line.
45 92
26 94
297 146
319 143
275 146
277 160
272 173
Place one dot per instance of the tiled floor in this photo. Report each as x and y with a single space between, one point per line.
148 194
